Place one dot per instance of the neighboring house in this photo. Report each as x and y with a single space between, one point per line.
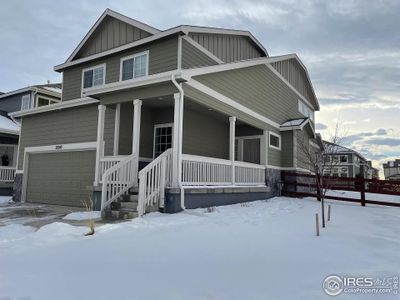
373 173
391 170
345 162
205 113
22 99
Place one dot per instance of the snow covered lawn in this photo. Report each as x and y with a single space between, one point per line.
260 250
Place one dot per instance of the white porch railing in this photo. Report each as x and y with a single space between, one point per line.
7 174
249 174
201 170
108 162
118 179
152 181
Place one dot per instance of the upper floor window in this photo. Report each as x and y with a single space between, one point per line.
134 66
305 110
274 140
26 102
94 76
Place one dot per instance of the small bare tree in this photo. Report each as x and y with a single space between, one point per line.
321 162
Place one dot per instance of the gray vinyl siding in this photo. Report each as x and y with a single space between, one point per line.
259 89
12 103
72 125
110 34
60 178
227 47
294 73
194 58
303 142
287 149
162 58
202 134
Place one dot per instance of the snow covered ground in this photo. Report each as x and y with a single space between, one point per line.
259 250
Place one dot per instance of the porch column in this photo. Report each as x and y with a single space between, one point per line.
232 125
177 140
100 142
116 128
137 112
264 148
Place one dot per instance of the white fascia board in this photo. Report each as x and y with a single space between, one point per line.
200 29
111 13
151 38
228 101
202 49
23 90
47 92
131 83
12 132
52 107
62 147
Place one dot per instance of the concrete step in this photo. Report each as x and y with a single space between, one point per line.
130 205
123 214
129 198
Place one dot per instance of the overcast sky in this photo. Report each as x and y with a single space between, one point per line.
351 49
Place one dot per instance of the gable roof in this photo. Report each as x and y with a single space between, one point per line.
155 35
118 16
53 89
297 124
337 149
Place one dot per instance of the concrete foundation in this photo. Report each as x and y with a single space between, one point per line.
17 188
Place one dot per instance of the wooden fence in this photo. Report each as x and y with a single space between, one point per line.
304 185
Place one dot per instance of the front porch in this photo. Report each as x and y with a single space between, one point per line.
172 147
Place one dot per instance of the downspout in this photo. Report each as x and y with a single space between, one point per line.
180 132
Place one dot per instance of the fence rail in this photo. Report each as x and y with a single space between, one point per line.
305 185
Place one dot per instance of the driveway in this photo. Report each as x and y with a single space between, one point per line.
35 215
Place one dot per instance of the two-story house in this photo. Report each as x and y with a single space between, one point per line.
391 170
345 162
180 118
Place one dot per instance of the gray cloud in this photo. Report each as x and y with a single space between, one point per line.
385 141
321 126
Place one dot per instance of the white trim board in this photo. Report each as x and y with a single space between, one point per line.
57 106
50 149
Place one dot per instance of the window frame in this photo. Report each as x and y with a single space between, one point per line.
279 139
92 68
309 113
24 97
147 53
162 125
46 98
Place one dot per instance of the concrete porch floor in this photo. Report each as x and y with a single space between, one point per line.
38 215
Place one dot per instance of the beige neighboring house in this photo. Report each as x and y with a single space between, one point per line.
391 170
166 119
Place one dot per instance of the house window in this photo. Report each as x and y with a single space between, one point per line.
134 66
162 138
26 102
94 76
274 141
343 158
344 172
305 110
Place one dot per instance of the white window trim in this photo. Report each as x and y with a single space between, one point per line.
279 138
162 125
24 97
92 68
308 107
130 57
46 98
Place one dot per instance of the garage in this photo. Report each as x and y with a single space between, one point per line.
60 178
